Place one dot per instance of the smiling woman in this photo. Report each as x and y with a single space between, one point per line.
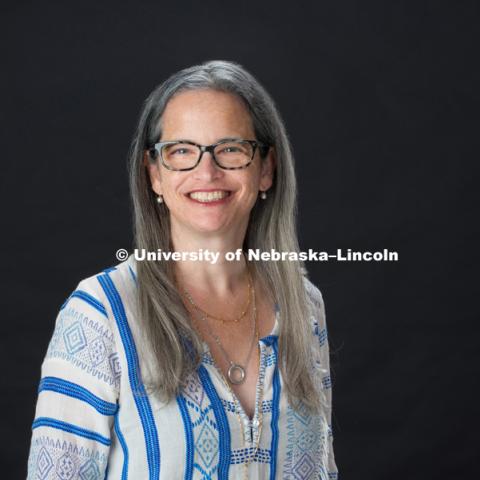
210 189
195 369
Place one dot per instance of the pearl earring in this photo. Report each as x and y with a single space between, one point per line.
160 199
263 195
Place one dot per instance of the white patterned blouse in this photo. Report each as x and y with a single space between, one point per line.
89 425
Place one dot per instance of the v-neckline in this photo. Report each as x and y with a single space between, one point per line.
261 375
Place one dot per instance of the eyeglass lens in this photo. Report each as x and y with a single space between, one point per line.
229 154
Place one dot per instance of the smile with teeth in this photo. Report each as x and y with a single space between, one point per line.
209 196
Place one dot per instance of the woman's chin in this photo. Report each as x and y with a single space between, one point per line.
206 226
208 223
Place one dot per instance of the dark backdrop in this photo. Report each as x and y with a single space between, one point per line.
380 100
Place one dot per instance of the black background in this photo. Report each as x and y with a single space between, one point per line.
380 101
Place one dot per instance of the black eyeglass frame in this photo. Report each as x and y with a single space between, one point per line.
156 150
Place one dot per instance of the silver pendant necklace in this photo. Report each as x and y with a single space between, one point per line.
236 372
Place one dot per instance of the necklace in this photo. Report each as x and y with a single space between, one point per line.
236 372
258 406
244 311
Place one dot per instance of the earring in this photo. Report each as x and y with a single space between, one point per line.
263 195
160 199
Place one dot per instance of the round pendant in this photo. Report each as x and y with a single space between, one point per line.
236 374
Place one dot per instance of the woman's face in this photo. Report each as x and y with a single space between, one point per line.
205 117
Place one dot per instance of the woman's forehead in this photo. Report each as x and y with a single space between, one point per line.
201 111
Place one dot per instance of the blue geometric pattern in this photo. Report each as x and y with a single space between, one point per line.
207 358
207 445
307 446
244 455
203 428
66 467
267 406
304 467
54 459
89 471
322 336
74 338
327 381
115 367
86 343
44 463
221 422
230 406
270 359
97 351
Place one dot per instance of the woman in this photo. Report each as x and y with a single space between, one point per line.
195 369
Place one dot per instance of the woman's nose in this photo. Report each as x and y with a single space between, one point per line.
207 167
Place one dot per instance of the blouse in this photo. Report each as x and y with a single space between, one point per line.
95 420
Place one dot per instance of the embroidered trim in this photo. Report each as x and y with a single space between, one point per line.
123 443
275 414
190 446
70 428
141 400
222 423
73 390
91 300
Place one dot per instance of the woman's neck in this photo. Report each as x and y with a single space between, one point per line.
213 274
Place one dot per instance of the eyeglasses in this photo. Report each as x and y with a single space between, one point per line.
180 155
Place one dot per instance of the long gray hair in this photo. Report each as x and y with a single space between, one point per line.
162 316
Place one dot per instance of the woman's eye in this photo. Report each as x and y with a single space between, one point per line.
231 149
180 151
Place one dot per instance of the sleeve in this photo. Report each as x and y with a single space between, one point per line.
78 392
322 371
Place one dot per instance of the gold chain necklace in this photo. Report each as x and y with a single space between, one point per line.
236 372
244 311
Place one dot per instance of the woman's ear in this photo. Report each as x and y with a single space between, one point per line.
146 158
153 173
268 166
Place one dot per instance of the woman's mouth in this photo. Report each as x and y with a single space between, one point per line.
210 197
